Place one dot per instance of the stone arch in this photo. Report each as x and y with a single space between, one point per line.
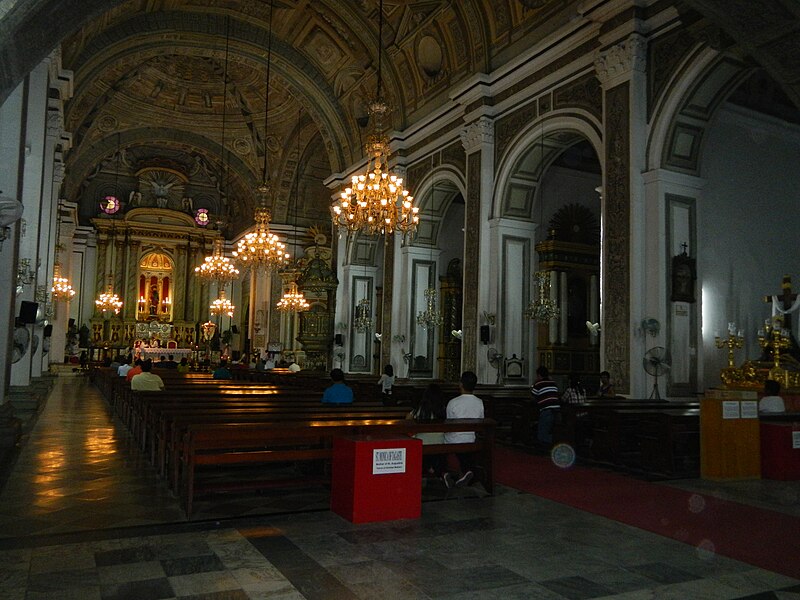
521 168
447 183
682 118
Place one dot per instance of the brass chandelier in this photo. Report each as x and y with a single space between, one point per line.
430 318
261 249
217 266
363 320
293 300
543 308
222 306
376 202
62 289
108 301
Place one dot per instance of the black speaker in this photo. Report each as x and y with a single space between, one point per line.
48 331
338 339
71 323
234 329
27 312
486 334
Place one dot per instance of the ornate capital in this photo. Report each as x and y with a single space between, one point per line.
619 61
477 134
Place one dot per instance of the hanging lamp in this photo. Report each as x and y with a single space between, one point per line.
430 318
62 288
543 308
293 299
261 249
217 266
108 302
376 202
222 305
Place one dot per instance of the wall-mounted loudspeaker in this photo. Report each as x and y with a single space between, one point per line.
27 312
486 334
234 329
48 330
338 339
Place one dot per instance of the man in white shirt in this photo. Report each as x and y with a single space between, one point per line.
771 402
465 406
147 381
124 368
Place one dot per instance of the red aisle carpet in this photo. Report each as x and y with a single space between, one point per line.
759 537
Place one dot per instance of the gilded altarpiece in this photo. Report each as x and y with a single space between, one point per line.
318 282
152 264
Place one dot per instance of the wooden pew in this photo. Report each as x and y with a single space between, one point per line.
246 443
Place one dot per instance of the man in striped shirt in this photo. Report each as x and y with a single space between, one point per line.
545 395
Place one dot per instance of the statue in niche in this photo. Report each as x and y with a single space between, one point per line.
154 300
135 199
187 204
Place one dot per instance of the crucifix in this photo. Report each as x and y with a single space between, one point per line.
787 298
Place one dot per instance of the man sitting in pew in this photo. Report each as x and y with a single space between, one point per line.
465 406
339 392
222 371
147 381
606 389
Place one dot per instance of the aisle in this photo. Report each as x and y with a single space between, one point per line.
78 471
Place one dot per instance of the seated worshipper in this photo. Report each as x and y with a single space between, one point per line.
771 402
124 368
222 372
162 362
137 368
170 363
147 381
465 406
269 362
574 394
430 408
116 363
545 396
606 389
339 392
183 366
386 382
294 367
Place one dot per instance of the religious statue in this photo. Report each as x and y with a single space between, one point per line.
135 199
154 300
187 204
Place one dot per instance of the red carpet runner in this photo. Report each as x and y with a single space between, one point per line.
759 537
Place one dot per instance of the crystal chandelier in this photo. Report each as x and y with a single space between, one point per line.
62 289
293 300
217 267
108 301
222 306
376 202
363 320
430 317
261 249
543 308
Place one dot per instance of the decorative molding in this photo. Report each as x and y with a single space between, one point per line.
477 134
510 125
472 263
617 228
55 123
621 60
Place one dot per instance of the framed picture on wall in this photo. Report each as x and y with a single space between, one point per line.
684 275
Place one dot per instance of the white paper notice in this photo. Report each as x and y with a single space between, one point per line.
388 460
730 409
749 409
795 440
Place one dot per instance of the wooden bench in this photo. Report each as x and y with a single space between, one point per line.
246 443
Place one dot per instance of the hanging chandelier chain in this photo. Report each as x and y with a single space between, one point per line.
264 176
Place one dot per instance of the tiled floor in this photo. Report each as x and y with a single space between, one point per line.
81 517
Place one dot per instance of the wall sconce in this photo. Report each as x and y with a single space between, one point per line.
25 274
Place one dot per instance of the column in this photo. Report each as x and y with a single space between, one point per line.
389 251
12 129
620 67
478 142
130 292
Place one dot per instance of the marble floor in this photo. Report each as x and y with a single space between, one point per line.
83 516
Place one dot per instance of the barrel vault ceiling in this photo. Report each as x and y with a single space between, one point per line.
149 86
